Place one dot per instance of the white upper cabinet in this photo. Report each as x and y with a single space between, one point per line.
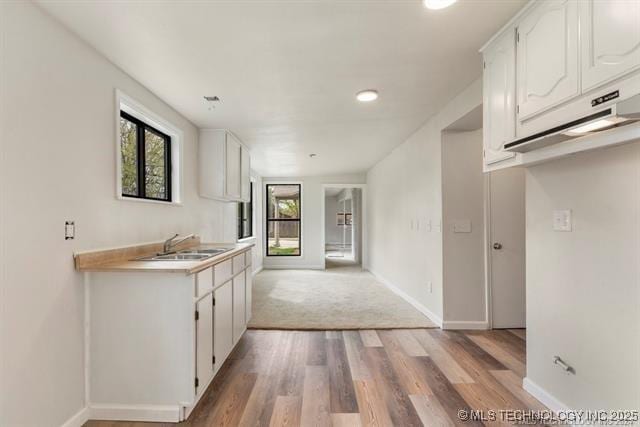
245 166
499 97
547 56
224 166
610 37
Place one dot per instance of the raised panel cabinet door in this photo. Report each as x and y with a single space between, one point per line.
239 316
232 167
223 323
248 290
547 57
204 342
499 92
610 38
245 176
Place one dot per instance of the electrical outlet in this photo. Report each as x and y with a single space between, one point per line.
562 220
69 230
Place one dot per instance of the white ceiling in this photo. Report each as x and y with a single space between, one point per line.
287 71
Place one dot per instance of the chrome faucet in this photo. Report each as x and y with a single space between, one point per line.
169 244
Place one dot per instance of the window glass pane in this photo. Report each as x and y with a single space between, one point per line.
155 166
283 201
129 150
283 238
245 217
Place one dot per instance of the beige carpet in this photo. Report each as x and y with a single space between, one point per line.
343 297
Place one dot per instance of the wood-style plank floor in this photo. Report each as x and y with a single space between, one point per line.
352 378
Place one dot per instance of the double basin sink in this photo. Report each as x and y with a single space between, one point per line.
197 254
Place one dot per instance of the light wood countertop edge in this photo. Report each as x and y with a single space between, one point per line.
185 267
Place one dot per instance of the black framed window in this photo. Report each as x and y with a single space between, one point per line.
283 236
145 160
245 216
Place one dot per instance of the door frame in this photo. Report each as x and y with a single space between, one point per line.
364 261
488 253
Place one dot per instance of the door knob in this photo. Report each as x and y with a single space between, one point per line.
497 246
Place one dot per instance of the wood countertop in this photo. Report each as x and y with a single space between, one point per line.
124 259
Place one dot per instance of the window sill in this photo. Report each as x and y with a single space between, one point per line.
247 239
156 202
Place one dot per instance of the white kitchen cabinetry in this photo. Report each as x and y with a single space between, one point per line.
610 37
547 57
153 337
224 166
248 283
239 301
223 339
204 341
499 110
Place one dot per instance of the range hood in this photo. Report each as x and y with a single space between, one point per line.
619 114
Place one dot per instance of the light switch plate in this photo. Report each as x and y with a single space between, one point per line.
562 220
462 226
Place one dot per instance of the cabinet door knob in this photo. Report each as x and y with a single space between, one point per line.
497 246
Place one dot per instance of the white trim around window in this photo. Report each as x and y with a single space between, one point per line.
125 103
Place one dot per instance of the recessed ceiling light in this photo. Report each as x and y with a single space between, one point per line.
438 4
367 95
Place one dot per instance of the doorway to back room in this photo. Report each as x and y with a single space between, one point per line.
343 226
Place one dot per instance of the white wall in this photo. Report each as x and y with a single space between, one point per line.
405 195
333 232
463 253
312 217
57 163
583 287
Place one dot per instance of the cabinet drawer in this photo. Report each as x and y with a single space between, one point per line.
204 281
238 263
222 272
247 258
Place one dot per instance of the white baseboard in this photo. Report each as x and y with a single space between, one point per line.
543 396
465 324
157 413
78 420
294 267
417 305
253 273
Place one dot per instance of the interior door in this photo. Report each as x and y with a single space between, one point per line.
507 247
547 57
610 38
499 92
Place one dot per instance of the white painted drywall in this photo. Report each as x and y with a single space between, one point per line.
58 163
583 286
333 232
312 217
463 253
404 197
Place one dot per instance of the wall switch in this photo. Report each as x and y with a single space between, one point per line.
430 287
462 226
428 226
562 220
437 227
69 230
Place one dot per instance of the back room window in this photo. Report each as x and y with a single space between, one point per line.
146 160
283 219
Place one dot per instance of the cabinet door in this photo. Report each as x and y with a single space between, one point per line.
232 167
245 176
204 342
547 56
610 37
239 316
211 169
223 323
499 87
248 290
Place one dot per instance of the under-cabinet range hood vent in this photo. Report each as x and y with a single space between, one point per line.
620 114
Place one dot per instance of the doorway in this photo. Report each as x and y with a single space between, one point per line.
342 226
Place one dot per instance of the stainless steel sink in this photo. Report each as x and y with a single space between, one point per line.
196 254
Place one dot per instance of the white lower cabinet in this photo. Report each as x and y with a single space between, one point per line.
157 339
248 285
204 343
239 301
223 323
